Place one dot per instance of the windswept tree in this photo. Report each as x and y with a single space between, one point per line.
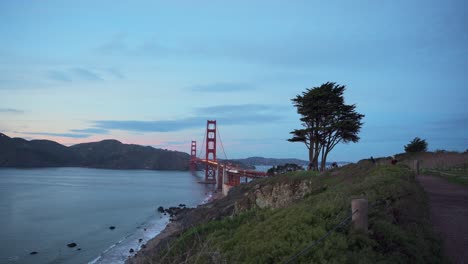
327 121
416 145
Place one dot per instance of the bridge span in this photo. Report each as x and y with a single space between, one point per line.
222 174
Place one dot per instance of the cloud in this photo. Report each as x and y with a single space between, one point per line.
11 111
59 76
247 119
79 74
454 123
182 124
116 45
166 144
116 73
246 114
69 135
91 131
249 109
292 50
222 87
16 83
74 133
86 74
149 126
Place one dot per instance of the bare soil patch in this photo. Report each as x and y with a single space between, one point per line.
448 204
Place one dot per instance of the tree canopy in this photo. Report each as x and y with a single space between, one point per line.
327 121
416 145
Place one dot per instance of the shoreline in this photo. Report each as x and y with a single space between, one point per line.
174 226
121 250
215 196
171 227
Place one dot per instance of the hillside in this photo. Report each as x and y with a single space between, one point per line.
271 220
109 154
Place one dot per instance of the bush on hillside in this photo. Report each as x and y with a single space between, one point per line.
416 145
281 169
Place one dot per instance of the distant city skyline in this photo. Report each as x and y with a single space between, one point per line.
152 72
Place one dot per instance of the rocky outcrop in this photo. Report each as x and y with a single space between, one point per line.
276 195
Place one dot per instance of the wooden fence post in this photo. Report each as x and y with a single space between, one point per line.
416 167
359 208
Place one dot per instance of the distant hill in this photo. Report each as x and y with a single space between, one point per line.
109 154
252 161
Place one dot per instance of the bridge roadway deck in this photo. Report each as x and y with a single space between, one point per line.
233 170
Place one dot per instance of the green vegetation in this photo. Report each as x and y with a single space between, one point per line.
399 227
455 175
416 145
280 169
327 121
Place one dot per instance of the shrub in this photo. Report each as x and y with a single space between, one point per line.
416 145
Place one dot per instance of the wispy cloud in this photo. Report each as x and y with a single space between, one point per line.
11 111
59 76
304 52
69 135
116 73
149 126
245 114
115 45
91 131
86 74
454 123
222 87
239 109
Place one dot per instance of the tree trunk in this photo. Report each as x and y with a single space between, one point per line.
323 162
316 167
311 158
316 155
323 165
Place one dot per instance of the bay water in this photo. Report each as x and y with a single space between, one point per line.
43 210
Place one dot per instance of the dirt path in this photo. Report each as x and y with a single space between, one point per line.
449 213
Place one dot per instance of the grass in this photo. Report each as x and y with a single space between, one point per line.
399 227
454 175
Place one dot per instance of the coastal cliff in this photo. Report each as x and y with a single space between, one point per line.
272 219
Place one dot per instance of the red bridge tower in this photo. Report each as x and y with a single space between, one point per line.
210 169
193 156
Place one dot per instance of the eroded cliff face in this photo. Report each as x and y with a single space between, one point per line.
276 195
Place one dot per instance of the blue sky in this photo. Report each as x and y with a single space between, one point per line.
153 72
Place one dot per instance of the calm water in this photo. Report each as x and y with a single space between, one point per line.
43 210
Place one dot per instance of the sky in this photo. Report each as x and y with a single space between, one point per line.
153 72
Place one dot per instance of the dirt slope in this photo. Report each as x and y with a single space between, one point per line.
449 213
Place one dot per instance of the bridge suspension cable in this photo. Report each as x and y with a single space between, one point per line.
222 146
201 147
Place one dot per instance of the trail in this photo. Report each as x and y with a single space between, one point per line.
448 204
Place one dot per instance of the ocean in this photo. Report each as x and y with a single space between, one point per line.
44 210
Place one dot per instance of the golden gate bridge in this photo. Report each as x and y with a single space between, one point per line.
222 174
